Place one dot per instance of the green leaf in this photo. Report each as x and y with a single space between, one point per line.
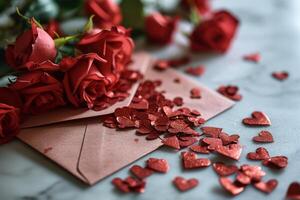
63 51
195 17
133 14
89 25
64 40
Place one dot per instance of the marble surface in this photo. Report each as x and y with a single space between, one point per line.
270 27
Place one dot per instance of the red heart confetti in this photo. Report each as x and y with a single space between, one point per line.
254 172
164 64
277 162
266 187
258 119
190 161
140 172
195 71
293 191
211 131
229 139
260 154
158 165
212 143
195 93
263 137
199 149
185 184
243 178
230 92
130 184
232 151
187 141
255 57
232 187
171 142
178 101
224 170
281 76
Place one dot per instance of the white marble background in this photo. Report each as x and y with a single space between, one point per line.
271 27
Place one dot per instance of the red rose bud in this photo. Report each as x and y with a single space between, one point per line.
160 28
34 46
114 45
214 34
106 12
9 122
87 79
202 6
53 29
39 91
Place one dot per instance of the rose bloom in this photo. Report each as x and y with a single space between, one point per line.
160 28
10 105
106 12
202 6
114 45
52 28
39 92
31 48
214 34
87 79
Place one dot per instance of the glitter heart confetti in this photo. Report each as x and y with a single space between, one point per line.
185 184
263 137
258 119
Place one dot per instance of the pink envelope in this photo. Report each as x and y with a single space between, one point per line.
91 151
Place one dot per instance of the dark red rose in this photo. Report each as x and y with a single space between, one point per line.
10 105
34 46
202 6
114 45
215 33
87 79
53 29
39 92
106 12
9 122
160 28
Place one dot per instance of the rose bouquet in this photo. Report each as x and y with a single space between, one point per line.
88 69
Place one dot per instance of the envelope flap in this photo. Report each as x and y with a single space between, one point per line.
105 150
141 61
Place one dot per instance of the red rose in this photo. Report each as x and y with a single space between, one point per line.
10 104
114 45
215 33
34 46
160 28
202 6
87 79
106 12
9 122
39 91
52 28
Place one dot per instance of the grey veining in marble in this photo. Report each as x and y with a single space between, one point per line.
268 26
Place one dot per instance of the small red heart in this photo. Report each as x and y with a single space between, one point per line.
266 187
276 162
185 184
139 104
230 186
212 143
140 172
199 149
211 131
195 93
281 76
187 141
171 142
263 137
190 161
254 172
258 119
224 170
121 185
232 151
158 165
260 154
229 139
254 57
293 191
243 178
